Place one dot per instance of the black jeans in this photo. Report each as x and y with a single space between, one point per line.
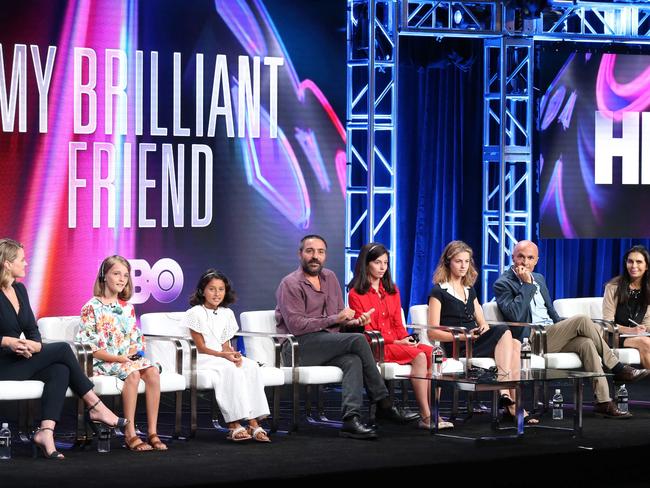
351 353
56 366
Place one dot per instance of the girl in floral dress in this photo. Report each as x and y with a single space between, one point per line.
108 325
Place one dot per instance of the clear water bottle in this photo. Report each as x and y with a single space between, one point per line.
437 358
622 398
558 404
104 439
526 354
5 442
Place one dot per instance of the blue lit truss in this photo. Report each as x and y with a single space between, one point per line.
374 30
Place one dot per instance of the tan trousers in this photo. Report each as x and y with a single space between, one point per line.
580 335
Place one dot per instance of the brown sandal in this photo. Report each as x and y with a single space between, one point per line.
136 444
156 443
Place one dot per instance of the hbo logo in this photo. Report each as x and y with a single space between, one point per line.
163 280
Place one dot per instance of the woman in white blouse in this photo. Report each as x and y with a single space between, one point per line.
238 385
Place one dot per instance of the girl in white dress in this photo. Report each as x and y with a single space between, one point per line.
238 385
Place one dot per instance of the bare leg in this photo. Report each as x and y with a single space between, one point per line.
503 356
515 362
515 369
129 401
421 387
151 378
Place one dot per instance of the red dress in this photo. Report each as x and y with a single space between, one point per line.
387 319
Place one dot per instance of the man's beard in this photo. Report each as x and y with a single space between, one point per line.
309 271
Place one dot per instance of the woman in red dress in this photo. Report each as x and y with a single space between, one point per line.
372 289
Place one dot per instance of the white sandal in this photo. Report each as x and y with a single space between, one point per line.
442 424
258 434
233 434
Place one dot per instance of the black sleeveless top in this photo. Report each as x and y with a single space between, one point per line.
630 310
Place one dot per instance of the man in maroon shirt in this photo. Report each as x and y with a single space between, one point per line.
310 306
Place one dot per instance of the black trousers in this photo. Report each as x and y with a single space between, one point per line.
56 366
351 353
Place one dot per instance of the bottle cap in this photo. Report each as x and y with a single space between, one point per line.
557 390
5 425
525 340
623 385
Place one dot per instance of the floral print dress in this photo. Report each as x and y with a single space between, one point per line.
112 328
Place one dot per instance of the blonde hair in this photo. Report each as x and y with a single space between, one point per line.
100 281
8 252
443 273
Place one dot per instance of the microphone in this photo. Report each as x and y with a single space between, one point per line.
137 355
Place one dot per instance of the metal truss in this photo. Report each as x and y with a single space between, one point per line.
594 21
371 132
507 152
374 28
463 18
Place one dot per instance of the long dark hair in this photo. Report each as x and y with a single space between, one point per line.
623 281
360 281
198 298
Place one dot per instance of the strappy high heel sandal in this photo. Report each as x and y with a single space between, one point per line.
36 447
94 424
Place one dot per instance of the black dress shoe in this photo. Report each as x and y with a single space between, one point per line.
391 414
629 374
610 410
354 429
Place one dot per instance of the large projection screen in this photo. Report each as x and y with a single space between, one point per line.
594 167
180 134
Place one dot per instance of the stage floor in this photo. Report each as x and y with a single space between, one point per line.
610 453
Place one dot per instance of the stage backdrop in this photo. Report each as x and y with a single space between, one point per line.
180 134
593 121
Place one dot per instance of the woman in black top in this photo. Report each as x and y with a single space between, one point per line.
627 302
453 302
28 359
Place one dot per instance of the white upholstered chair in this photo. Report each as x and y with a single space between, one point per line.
419 316
168 324
22 391
171 377
260 349
560 360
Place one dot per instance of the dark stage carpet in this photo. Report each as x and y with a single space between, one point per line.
610 453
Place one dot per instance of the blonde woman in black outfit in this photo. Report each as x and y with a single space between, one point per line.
28 359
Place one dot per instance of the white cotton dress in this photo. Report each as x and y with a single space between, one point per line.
239 391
